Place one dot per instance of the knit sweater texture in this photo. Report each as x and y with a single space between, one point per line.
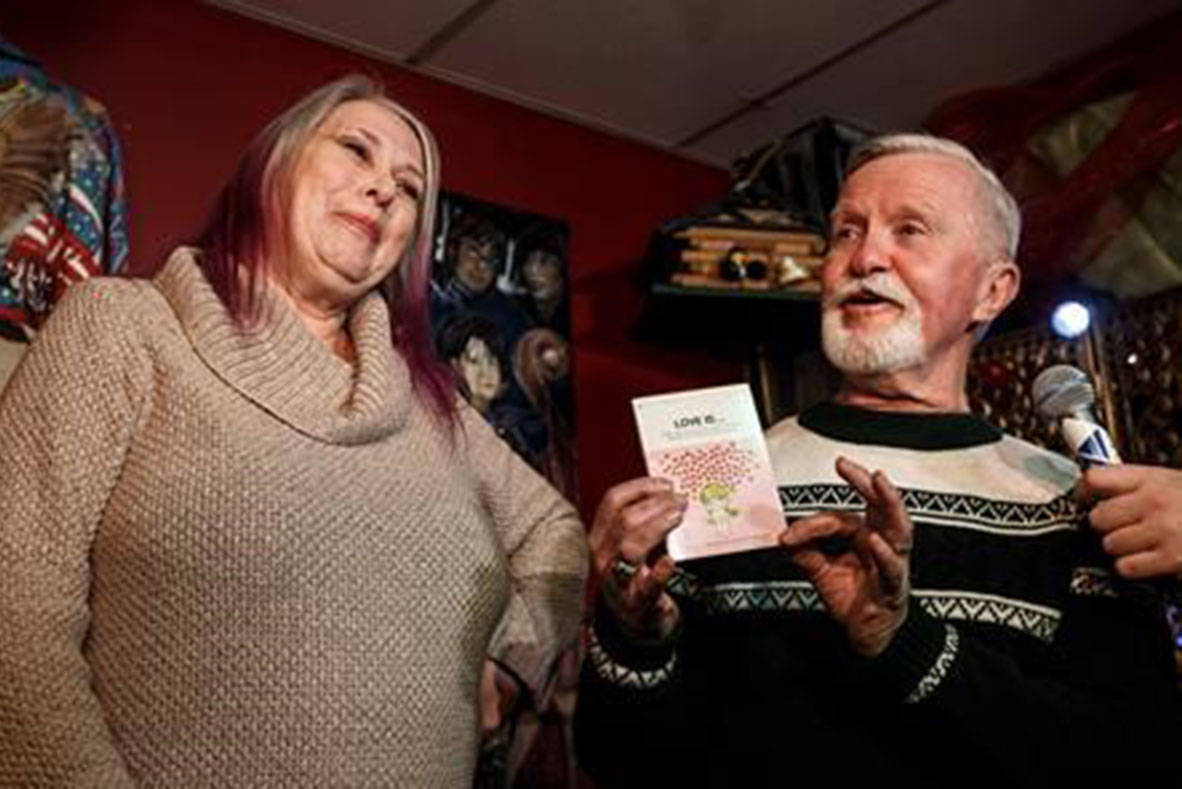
229 557
1021 653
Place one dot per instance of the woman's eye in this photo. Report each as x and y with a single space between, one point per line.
410 189
358 148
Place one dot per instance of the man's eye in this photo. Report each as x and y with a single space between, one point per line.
844 232
912 229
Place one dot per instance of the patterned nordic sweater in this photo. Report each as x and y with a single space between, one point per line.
1020 651
227 557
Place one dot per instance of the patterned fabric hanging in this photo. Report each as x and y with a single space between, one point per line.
62 208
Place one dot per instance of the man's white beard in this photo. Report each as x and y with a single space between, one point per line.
896 347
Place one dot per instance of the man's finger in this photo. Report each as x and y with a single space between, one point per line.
897 524
620 496
810 560
636 544
1106 481
858 478
1147 564
1115 513
892 568
651 507
818 527
1130 540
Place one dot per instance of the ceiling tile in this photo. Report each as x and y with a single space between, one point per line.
386 29
894 83
658 69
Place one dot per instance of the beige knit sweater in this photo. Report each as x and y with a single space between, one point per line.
231 558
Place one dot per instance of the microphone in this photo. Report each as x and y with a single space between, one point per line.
1064 393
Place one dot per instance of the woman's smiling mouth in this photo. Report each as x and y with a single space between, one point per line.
362 224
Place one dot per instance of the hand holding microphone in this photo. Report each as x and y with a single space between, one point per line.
1138 509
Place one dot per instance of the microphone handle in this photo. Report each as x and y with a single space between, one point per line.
1089 442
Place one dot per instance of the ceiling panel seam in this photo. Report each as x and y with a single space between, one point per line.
448 32
761 101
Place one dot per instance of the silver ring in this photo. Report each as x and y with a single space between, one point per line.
623 570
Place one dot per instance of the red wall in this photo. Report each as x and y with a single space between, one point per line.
188 85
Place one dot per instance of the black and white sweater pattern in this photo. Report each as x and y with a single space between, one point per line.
1016 625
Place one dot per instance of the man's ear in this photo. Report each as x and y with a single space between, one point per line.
998 288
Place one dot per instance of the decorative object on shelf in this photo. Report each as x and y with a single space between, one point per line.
748 258
768 232
799 173
62 211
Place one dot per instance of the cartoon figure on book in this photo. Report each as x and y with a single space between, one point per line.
710 474
715 497
939 597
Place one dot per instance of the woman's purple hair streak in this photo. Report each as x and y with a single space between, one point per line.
247 229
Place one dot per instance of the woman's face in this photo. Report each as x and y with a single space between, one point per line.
479 368
542 273
354 203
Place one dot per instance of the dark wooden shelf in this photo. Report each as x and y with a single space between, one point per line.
779 294
729 320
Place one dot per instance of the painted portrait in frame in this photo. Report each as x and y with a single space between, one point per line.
501 320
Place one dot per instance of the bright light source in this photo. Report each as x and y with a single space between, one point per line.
1070 319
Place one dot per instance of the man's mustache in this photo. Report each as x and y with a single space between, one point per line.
879 284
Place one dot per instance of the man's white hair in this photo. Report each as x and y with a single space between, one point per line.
1001 209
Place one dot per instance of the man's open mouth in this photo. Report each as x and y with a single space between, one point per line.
865 298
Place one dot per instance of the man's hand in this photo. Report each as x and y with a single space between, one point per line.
631 521
859 563
1139 515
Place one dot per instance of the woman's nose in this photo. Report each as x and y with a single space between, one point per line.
381 188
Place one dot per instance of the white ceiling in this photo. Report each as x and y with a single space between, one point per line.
710 79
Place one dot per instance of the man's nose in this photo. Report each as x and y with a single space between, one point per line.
869 256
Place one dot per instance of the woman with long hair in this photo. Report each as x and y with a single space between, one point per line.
249 534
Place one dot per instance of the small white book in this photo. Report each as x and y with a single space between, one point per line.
708 442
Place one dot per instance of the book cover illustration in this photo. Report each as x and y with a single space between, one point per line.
708 442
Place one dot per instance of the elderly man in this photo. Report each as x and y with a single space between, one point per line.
952 619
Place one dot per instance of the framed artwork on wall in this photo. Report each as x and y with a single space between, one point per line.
501 319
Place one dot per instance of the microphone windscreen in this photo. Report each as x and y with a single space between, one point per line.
1062 390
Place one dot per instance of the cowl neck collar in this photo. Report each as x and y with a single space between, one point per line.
280 366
